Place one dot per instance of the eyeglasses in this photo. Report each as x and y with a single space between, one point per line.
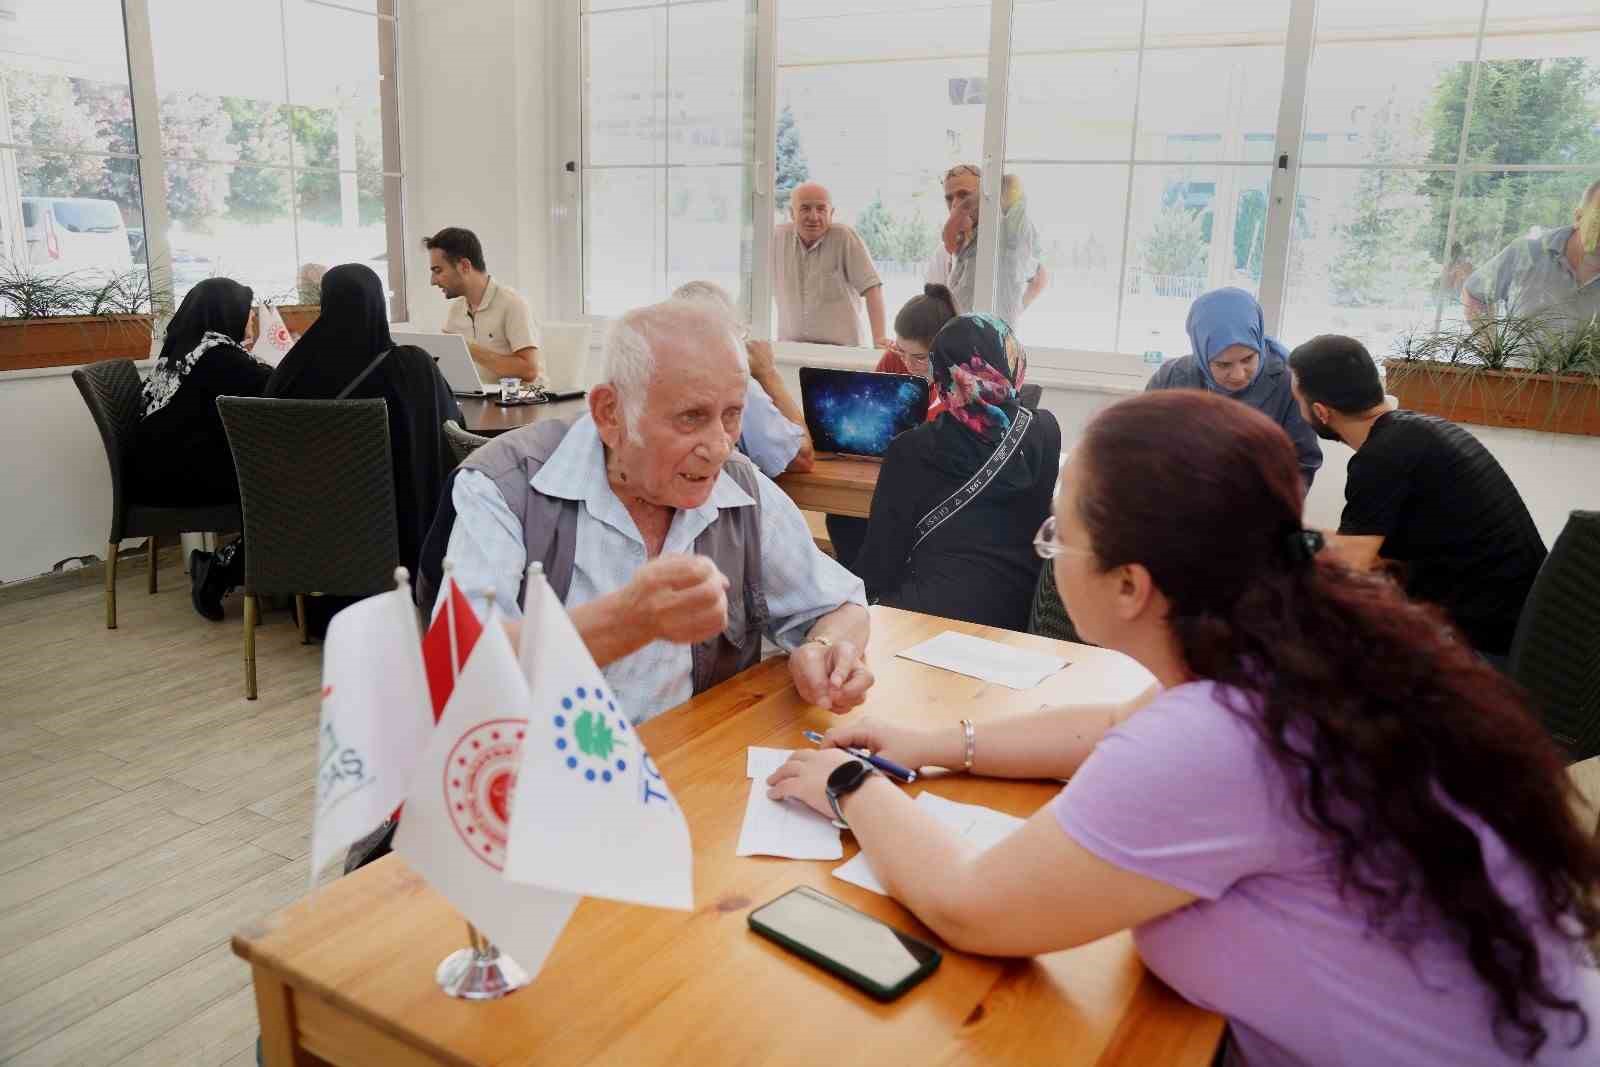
1048 546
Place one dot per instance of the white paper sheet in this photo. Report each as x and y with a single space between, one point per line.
785 828
979 826
990 661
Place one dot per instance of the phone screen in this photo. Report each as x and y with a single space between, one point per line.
874 950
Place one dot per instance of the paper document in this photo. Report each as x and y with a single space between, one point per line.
979 826
784 828
1016 668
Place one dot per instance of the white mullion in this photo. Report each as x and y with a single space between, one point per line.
1461 147
766 167
1127 193
36 149
666 147
147 137
994 152
564 59
288 112
1283 193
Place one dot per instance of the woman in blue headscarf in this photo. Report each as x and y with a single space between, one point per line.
1233 355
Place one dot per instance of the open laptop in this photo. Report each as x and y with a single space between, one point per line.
449 350
858 412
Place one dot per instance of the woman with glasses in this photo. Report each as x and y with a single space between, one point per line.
1334 824
959 498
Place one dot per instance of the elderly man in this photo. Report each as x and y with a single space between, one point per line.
1556 276
1021 277
774 428
651 474
821 273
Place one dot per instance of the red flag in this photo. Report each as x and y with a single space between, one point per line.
437 644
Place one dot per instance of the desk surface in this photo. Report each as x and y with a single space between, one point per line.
488 419
352 966
838 486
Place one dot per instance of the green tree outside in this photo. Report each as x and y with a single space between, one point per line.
792 166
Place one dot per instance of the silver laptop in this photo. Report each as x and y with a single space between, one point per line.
449 350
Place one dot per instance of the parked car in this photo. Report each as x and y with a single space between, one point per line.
76 234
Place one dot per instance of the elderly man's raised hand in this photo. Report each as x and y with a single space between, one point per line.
682 599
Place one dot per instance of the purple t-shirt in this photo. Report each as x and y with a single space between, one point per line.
1185 792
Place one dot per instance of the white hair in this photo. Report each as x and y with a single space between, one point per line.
714 296
690 324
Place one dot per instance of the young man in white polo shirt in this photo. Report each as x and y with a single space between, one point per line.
500 330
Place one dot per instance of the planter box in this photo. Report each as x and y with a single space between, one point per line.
72 340
1520 400
297 318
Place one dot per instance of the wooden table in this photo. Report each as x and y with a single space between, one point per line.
838 486
346 976
488 419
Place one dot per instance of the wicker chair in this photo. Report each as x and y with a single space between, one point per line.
1048 618
1556 652
111 391
461 442
1030 395
316 479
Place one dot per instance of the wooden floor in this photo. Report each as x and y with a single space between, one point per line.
147 810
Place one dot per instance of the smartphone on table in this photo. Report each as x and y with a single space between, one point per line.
867 953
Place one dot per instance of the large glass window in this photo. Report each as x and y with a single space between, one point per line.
281 158
1438 148
1139 144
668 149
70 197
877 102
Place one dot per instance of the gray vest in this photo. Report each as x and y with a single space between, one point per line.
550 533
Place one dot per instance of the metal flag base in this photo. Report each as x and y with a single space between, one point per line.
480 974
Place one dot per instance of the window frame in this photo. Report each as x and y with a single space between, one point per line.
151 157
1066 366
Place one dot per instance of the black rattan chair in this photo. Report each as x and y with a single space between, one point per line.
461 443
1048 617
316 480
111 391
1555 655
1030 395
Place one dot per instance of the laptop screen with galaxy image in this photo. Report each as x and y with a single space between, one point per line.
858 412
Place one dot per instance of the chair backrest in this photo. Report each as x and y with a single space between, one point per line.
1556 653
111 391
316 485
1048 616
462 442
564 355
1030 395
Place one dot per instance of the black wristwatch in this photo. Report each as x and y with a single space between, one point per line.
846 778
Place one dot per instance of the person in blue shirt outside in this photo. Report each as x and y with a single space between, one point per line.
774 431
1232 355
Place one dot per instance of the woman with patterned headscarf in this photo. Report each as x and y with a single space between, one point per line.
1231 354
960 498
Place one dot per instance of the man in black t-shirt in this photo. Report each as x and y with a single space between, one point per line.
1423 493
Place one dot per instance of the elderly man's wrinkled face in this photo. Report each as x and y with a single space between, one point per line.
689 425
812 210
961 188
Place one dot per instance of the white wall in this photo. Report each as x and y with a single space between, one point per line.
473 97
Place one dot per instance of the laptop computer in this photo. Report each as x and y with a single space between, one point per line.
449 350
858 412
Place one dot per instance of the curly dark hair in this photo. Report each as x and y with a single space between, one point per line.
1397 731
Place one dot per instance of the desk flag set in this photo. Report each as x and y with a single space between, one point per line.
525 785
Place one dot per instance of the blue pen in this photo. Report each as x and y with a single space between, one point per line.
887 766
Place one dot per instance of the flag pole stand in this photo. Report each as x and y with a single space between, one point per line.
481 972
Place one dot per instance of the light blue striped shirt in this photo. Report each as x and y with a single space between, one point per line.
770 440
488 557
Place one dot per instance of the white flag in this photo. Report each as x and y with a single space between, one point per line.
375 721
458 811
593 815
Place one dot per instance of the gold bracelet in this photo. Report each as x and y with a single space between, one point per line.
967 732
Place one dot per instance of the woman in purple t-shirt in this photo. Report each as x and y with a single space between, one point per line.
1335 825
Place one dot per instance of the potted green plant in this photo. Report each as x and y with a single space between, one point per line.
1520 371
299 315
57 320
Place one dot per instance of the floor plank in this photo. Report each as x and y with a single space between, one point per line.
121 810
215 1036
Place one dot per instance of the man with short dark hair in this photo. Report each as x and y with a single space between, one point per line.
500 330
1422 493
